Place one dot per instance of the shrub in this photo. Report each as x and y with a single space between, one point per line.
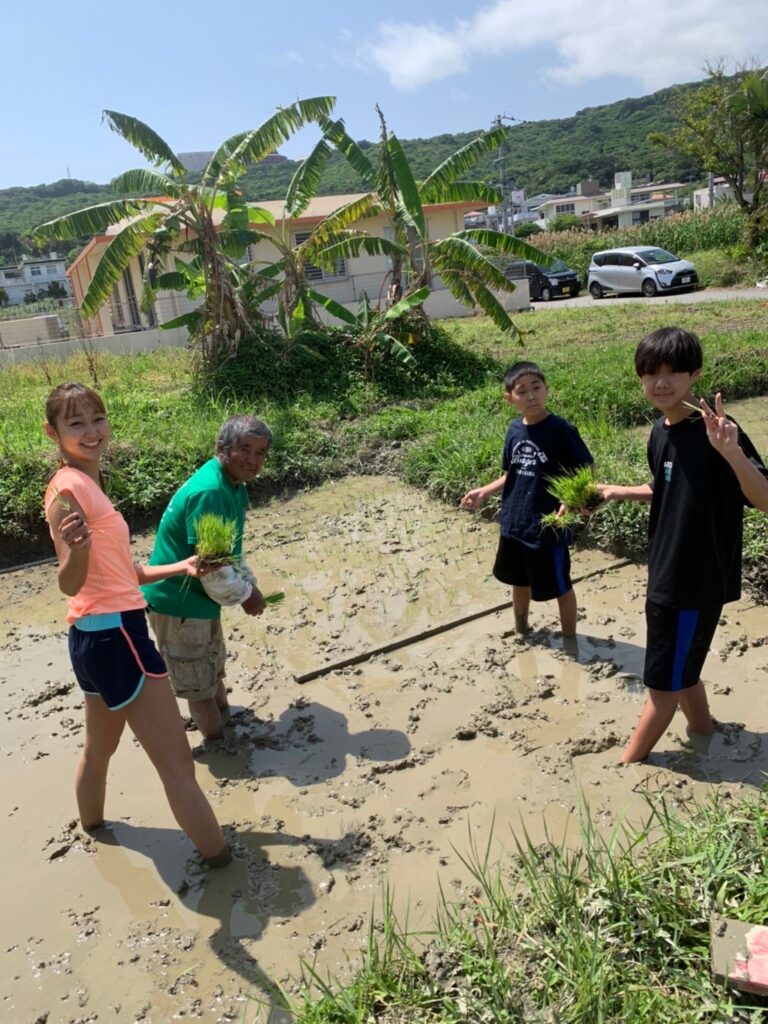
526 230
328 365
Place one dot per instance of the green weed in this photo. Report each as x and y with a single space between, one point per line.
614 928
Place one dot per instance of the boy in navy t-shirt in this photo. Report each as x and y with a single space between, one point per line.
533 560
705 470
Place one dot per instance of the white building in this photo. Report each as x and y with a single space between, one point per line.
33 274
624 206
704 198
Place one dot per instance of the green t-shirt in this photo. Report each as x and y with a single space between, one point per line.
207 490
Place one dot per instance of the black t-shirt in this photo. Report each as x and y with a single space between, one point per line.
531 455
696 525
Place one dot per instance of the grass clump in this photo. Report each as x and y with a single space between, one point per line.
216 539
614 929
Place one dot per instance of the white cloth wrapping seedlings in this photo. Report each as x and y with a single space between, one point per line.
229 584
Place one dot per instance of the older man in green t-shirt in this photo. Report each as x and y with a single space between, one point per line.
186 614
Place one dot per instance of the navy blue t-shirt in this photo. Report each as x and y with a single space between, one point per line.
532 454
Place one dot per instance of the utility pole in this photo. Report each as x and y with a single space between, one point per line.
498 122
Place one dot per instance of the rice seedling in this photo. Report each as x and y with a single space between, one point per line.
560 522
576 490
577 493
696 408
275 598
59 498
216 537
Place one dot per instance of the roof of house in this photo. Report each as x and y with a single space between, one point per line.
318 208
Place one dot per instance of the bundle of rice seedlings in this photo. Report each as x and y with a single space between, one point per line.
216 537
575 490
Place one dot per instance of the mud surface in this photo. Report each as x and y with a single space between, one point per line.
384 772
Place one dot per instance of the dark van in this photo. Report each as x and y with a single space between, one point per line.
545 283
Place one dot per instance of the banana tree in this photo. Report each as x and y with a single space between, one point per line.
462 259
171 214
286 276
376 330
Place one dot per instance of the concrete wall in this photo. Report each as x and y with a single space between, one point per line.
33 330
119 344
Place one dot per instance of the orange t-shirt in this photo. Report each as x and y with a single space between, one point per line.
111 584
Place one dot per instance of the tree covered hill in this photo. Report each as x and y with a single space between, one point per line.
539 156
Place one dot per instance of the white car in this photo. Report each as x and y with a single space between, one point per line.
639 268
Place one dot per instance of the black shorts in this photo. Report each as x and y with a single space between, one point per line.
677 644
112 655
547 573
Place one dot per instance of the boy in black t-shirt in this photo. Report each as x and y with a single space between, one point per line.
539 445
705 470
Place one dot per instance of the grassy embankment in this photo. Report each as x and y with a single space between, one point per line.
440 427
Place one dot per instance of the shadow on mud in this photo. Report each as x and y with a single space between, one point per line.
309 743
241 897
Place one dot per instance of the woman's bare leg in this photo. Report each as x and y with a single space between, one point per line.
155 721
103 729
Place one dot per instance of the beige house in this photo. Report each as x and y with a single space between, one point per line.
350 278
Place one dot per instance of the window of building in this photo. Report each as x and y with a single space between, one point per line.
35 272
565 208
51 271
313 273
12 275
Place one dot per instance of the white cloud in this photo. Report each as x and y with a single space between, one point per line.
413 55
655 42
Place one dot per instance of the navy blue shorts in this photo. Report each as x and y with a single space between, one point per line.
677 644
547 573
112 655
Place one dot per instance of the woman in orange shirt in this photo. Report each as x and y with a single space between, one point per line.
116 664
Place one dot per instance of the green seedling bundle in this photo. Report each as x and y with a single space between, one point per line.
577 492
216 537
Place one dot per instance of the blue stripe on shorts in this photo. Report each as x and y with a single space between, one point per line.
687 621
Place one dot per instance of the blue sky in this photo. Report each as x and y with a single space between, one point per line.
198 73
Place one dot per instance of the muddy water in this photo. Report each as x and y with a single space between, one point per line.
382 772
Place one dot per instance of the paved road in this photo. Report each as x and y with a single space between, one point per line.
703 295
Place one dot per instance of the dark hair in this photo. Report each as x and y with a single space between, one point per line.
236 427
518 370
64 399
679 349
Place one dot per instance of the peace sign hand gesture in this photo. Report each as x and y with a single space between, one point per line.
723 434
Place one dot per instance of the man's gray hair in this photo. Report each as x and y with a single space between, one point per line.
237 427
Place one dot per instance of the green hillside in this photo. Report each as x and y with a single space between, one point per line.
540 156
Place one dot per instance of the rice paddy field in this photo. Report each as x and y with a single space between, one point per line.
567 911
